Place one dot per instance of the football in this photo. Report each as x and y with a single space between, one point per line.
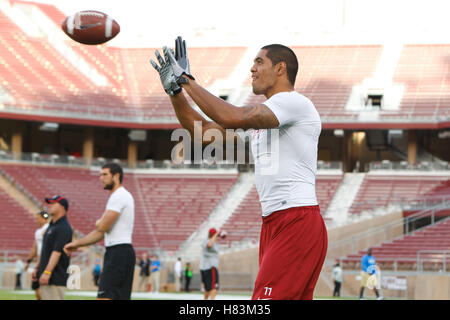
90 27
223 234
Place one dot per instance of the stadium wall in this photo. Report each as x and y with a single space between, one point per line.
419 287
238 269
342 240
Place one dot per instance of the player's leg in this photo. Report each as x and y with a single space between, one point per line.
294 245
208 283
317 255
38 294
364 277
214 282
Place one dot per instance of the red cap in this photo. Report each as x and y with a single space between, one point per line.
212 231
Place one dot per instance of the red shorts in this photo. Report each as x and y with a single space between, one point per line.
292 250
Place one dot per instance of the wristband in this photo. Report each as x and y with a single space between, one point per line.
47 272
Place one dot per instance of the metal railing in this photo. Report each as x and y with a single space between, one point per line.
441 258
384 229
110 107
424 202
435 256
395 116
405 166
73 161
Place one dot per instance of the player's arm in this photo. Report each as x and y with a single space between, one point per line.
53 261
104 224
257 116
31 255
34 274
187 116
224 114
211 241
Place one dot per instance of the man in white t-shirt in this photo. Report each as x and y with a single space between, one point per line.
35 252
286 129
178 272
116 228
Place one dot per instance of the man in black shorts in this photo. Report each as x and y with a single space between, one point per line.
116 227
209 264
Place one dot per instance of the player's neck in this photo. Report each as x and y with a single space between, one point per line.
282 87
57 216
117 186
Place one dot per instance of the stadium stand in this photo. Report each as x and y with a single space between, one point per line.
423 69
16 225
245 223
53 84
378 191
177 205
36 75
403 251
168 207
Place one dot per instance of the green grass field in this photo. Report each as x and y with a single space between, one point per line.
73 295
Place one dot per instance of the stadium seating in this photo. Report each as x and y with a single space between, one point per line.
133 91
37 75
17 226
404 251
423 69
378 191
169 207
327 74
245 223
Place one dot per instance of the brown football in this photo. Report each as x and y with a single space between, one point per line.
90 27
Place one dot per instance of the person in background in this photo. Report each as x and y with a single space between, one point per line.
51 272
35 252
97 271
187 277
178 273
116 227
155 276
337 278
209 265
19 270
368 269
144 274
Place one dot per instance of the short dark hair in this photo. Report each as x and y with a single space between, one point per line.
114 168
277 53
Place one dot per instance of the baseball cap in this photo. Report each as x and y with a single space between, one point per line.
212 231
61 200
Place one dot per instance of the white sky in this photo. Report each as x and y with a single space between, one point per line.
148 23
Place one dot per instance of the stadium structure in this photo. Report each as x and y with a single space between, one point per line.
383 173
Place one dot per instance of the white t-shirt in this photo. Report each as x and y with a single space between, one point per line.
120 201
39 237
337 274
210 256
178 268
286 157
